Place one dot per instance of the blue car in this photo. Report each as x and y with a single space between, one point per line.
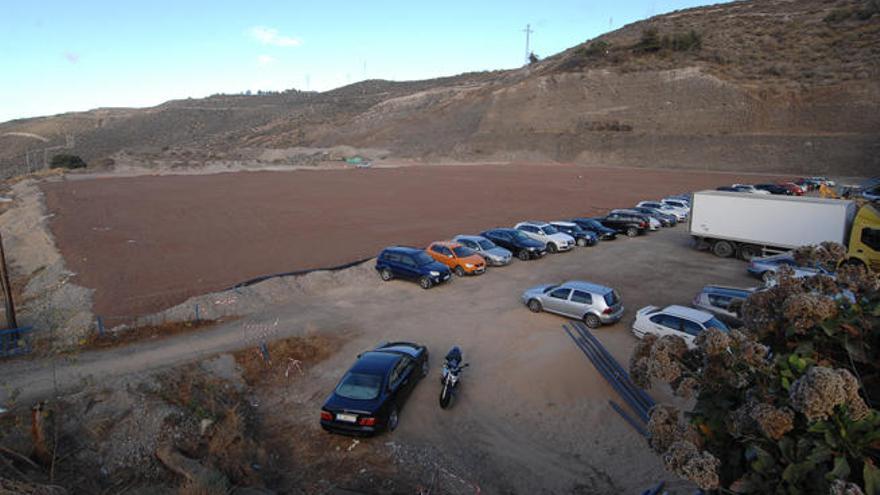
593 225
370 396
411 264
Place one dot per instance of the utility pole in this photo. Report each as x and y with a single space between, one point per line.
528 31
7 290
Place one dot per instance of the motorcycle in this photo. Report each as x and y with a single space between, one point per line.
449 377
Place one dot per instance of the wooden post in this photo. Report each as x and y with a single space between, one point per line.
7 290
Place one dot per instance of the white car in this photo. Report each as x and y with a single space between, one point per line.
750 189
555 240
677 203
680 213
681 321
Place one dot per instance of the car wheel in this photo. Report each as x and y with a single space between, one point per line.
425 283
523 255
592 321
581 242
748 252
459 271
386 274
632 231
393 419
552 247
425 368
534 305
723 249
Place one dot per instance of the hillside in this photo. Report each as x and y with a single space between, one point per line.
771 85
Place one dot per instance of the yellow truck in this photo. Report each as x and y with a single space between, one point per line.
750 225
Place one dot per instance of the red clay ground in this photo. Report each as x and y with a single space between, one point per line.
147 243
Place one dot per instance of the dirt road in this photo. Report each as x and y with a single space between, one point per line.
147 243
533 416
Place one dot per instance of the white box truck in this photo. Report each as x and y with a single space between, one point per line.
749 225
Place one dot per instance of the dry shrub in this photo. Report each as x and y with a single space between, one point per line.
288 357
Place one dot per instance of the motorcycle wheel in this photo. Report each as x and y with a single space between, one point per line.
445 397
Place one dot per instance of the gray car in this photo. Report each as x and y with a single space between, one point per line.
594 304
493 254
723 302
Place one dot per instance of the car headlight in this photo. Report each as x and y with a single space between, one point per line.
434 273
468 265
530 249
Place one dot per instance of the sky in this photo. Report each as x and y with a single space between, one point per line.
60 56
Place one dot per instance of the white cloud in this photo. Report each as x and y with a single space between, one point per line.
270 36
265 59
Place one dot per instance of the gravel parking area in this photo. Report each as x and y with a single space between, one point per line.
148 243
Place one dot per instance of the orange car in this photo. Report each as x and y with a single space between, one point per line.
460 259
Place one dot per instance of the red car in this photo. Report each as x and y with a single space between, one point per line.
795 189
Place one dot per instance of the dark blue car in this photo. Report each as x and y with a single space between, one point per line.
370 396
411 264
521 245
594 225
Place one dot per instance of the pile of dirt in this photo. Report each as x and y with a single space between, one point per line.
58 309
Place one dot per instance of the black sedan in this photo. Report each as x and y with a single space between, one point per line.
773 189
593 225
521 245
665 219
369 397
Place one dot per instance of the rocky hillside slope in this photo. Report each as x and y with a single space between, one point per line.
759 85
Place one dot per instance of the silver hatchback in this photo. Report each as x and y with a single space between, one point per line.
593 303
493 254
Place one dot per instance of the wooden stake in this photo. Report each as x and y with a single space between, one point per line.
7 290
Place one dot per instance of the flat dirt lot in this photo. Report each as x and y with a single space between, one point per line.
147 243
533 416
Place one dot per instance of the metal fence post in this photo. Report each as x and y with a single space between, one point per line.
100 323
198 319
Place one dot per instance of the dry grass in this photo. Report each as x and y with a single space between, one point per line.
129 336
288 357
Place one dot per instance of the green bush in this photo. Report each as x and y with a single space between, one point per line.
651 41
786 404
838 15
67 161
598 48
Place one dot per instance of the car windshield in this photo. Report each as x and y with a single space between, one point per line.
487 244
359 386
550 230
422 258
548 289
520 236
612 298
462 251
716 323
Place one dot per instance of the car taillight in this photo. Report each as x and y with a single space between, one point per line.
607 311
643 225
326 416
367 421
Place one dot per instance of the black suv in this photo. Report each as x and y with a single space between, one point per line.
773 189
631 225
411 264
521 245
593 225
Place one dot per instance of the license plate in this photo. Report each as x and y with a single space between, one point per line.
348 418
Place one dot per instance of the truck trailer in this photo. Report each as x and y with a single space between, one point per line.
749 225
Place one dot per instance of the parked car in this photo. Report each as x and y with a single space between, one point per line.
684 198
793 188
723 302
750 189
810 185
555 240
595 226
729 189
411 264
666 219
774 189
625 224
822 180
680 321
765 268
581 237
653 223
594 304
462 260
493 254
521 245
680 213
682 206
370 395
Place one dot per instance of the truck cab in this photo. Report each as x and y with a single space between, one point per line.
864 238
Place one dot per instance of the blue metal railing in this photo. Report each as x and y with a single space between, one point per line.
15 341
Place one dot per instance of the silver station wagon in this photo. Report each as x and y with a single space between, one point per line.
593 303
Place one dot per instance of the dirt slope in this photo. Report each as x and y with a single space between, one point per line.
775 85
